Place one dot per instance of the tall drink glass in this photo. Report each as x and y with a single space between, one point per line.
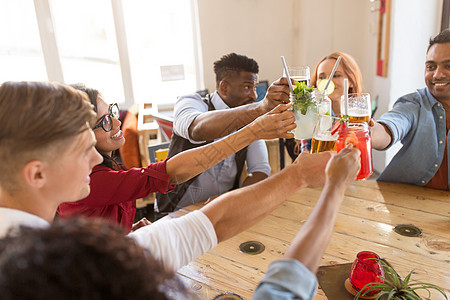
359 107
323 137
357 133
306 116
303 101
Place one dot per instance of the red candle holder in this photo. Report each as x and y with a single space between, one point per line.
365 269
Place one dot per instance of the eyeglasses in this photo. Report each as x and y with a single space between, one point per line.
105 122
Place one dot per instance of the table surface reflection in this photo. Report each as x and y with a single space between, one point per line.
366 220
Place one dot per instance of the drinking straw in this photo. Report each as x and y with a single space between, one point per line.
332 72
345 112
287 74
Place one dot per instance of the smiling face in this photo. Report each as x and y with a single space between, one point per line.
239 89
107 142
437 72
324 71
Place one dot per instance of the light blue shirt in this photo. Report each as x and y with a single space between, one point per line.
220 178
418 121
286 279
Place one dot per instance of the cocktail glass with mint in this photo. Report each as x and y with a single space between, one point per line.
305 110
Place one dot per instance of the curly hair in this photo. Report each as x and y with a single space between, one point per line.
81 259
442 38
231 64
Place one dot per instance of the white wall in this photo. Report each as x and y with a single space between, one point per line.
413 22
306 30
260 29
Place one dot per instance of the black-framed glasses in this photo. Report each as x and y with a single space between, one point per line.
106 122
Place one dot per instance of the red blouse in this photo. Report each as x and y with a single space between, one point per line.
114 193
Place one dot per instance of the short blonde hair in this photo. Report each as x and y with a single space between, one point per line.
350 67
36 117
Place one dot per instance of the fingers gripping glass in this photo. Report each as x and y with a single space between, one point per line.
105 122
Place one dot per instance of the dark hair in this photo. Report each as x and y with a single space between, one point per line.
231 64
108 161
37 119
81 259
441 38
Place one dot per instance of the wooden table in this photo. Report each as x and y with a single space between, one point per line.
366 220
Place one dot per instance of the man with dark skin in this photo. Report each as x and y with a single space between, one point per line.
421 121
198 121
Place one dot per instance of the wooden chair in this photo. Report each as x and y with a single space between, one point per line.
154 127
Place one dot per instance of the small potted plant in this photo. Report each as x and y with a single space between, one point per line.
394 288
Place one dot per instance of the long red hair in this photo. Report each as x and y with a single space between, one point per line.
350 67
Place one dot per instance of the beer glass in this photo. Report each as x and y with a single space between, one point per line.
357 133
366 269
359 107
323 138
299 73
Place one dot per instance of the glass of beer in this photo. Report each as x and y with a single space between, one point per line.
299 73
325 134
359 108
357 133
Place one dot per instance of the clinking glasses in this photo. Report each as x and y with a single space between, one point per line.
105 122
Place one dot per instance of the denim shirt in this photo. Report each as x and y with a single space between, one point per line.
286 279
418 121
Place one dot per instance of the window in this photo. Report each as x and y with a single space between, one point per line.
152 57
161 48
21 55
87 45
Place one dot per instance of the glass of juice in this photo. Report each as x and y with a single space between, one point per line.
357 133
325 134
359 107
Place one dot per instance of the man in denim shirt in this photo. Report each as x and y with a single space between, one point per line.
421 121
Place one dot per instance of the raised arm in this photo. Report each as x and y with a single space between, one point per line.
219 123
312 239
237 210
187 164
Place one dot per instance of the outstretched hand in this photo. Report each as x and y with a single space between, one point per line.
311 167
275 124
343 168
277 93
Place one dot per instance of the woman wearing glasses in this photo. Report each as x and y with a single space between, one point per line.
114 190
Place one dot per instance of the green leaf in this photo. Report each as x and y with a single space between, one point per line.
397 289
411 294
303 97
406 281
